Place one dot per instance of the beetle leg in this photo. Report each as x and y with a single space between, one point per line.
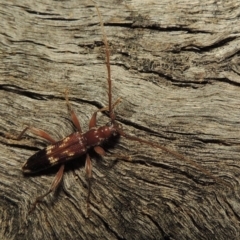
88 168
72 113
55 183
35 131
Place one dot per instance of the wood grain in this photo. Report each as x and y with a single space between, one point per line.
175 64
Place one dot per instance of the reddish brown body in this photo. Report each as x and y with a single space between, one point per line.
73 146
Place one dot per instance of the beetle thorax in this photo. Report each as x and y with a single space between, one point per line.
96 136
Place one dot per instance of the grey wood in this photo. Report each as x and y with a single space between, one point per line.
175 64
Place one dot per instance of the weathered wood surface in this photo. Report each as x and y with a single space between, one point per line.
175 64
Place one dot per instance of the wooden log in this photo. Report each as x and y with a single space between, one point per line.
175 64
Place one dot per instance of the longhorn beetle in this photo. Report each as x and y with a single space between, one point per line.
78 143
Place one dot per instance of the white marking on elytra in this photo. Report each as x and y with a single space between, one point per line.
66 139
80 140
49 149
53 159
69 154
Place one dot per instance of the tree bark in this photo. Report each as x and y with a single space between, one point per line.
175 65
